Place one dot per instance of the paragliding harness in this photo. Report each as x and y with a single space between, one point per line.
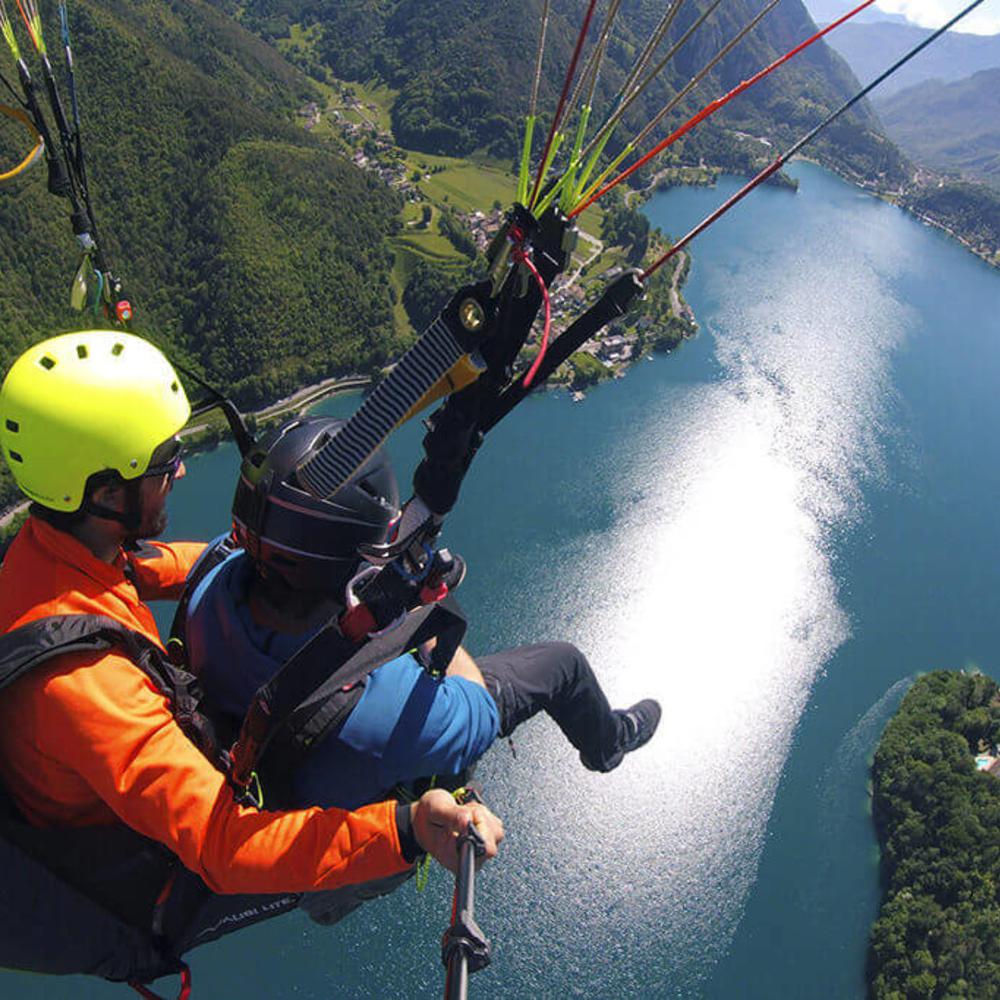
315 691
318 687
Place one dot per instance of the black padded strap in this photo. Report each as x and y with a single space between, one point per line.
311 695
24 648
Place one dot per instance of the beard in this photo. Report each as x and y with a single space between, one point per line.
152 522
153 525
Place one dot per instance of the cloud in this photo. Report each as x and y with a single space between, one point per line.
984 20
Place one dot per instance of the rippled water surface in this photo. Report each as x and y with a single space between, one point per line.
770 531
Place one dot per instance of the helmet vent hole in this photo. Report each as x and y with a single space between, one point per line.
13 426
174 387
366 487
117 349
48 363
15 456
81 351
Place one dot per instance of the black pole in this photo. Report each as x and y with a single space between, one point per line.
464 949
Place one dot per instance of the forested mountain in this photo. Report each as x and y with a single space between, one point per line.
249 247
938 821
949 126
255 250
464 71
244 245
869 48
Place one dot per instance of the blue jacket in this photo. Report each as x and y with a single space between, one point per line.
406 725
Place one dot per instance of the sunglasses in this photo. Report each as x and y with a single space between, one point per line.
170 467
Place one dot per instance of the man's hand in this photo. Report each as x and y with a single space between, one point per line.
438 820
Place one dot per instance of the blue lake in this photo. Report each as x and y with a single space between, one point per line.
772 530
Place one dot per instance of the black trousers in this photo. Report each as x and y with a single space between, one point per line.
554 677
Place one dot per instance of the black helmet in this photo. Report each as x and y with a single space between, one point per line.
312 544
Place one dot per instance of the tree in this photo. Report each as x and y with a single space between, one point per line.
938 821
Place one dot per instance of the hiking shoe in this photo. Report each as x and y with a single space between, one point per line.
638 725
640 721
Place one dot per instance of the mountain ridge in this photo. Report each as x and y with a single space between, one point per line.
869 48
953 127
451 104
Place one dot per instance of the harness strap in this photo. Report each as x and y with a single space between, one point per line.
306 698
23 648
457 330
207 561
145 991
147 866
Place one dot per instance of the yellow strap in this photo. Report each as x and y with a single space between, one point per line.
21 116
422 873
463 372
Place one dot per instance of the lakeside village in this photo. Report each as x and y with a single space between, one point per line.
624 342
662 320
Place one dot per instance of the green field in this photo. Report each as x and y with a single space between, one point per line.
607 259
381 97
467 185
427 243
409 247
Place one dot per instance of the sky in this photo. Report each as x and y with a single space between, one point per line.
984 20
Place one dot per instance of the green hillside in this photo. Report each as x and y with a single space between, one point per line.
971 211
463 71
244 245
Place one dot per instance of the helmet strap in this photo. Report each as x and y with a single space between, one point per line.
131 516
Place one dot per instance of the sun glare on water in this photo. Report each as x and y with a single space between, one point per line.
726 609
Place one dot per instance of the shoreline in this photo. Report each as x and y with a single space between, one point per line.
893 198
315 392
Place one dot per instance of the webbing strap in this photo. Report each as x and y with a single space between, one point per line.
148 994
418 370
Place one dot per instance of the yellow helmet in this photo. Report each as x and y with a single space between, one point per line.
83 403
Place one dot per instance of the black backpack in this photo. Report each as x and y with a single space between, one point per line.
92 900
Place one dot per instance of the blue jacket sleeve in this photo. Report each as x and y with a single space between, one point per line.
417 725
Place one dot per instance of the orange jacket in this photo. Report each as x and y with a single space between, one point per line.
87 739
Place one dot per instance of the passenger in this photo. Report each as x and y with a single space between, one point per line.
91 713
258 607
